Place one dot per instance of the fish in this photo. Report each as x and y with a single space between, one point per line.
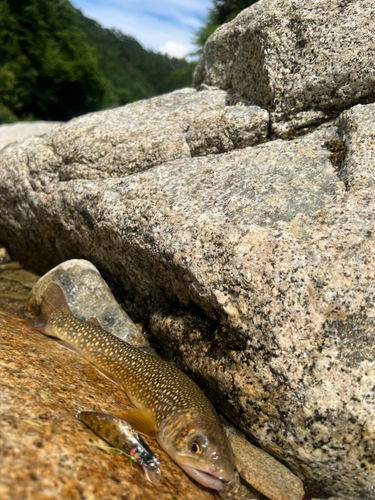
121 435
168 405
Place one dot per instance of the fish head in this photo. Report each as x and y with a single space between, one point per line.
199 445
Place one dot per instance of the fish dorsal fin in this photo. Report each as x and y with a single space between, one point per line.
141 420
93 321
53 298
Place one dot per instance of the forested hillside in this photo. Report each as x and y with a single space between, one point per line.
56 64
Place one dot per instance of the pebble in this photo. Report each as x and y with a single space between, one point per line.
264 473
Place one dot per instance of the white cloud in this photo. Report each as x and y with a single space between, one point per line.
155 25
174 49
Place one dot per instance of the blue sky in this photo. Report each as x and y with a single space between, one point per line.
161 25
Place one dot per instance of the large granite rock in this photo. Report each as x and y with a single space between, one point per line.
304 61
136 137
255 269
251 261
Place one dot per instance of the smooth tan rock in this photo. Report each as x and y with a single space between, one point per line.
27 278
88 296
264 473
46 453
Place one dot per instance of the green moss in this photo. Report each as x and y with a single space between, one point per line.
294 133
338 150
214 329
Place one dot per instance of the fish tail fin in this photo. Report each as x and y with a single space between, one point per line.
53 299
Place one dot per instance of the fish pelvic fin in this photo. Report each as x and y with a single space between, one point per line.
141 420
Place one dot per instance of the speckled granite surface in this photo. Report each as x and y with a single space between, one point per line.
276 243
253 266
133 138
302 60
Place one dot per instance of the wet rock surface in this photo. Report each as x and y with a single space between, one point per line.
303 61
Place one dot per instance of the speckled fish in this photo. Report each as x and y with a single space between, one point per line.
168 405
122 436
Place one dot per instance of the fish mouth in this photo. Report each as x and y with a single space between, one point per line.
204 478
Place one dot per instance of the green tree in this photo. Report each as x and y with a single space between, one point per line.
56 64
47 68
221 12
133 72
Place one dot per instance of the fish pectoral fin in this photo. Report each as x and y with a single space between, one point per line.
141 420
93 321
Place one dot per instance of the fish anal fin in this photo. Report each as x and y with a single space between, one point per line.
67 346
141 420
93 321
107 375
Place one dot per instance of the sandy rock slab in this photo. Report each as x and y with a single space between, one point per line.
304 61
45 452
264 473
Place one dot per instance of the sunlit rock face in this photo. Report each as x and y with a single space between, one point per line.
304 61
253 266
17 132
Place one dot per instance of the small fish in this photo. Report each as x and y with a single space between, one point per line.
122 436
169 406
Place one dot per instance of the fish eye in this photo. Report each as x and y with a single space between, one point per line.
198 444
